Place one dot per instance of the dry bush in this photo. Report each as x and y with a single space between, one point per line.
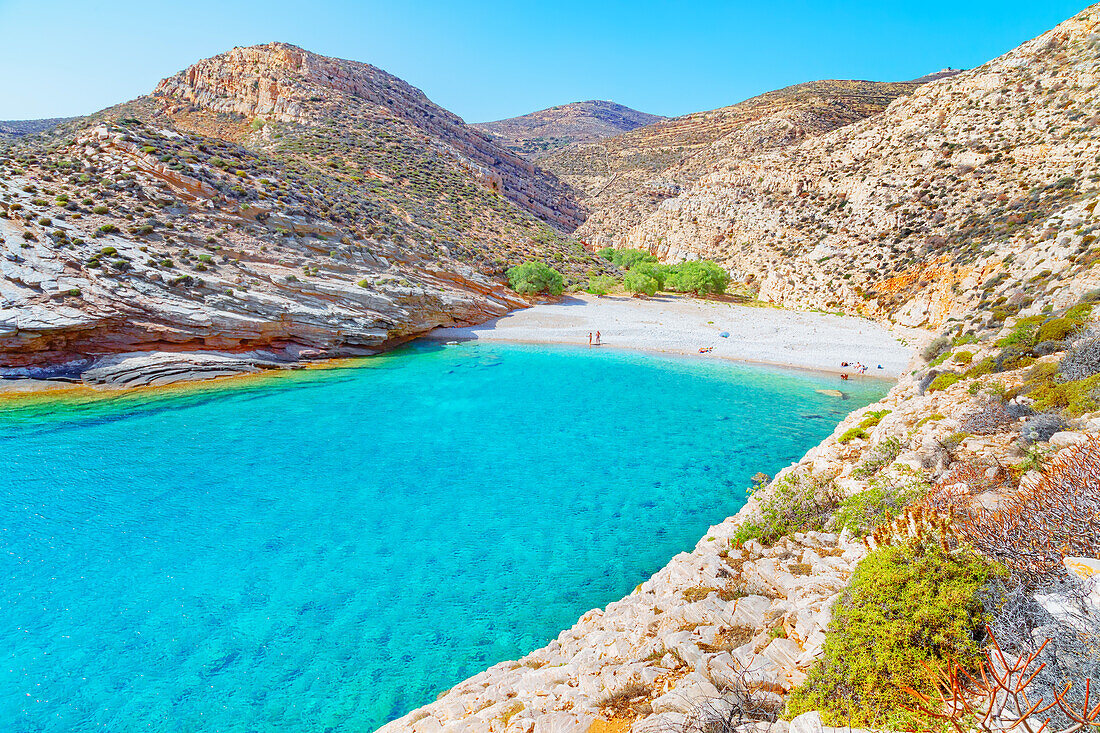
1041 427
966 479
1001 697
630 703
1067 646
741 708
1082 360
992 417
1056 516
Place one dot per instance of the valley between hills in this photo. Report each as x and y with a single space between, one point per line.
932 564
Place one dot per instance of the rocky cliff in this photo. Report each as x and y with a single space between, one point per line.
973 192
538 134
624 178
265 198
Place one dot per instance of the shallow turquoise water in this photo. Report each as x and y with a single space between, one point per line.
325 550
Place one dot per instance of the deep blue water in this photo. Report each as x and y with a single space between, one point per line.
323 551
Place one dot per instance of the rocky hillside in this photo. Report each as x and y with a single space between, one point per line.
267 197
972 198
538 134
17 128
624 178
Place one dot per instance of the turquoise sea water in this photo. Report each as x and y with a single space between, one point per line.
323 551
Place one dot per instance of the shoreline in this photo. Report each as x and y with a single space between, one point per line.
760 336
667 352
678 325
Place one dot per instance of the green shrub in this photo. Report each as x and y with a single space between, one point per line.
851 434
101 209
701 277
936 348
1080 312
861 513
639 282
940 359
531 278
982 368
797 503
1058 329
943 381
873 418
626 258
878 458
929 418
601 284
1023 333
108 229
963 357
1075 398
906 606
655 270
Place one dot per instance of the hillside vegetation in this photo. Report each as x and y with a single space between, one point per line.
266 197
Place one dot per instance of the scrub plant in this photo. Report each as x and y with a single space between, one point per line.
908 606
796 503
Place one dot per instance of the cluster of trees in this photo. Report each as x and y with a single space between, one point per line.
645 275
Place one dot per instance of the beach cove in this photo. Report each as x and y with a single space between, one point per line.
250 557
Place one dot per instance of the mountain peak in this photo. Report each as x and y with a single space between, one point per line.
538 133
280 81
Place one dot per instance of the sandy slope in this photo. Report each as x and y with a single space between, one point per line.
684 325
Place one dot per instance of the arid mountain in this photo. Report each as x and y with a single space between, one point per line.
624 178
18 128
267 197
974 198
538 134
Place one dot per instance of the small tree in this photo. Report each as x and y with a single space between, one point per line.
655 270
700 277
531 278
626 258
640 283
601 285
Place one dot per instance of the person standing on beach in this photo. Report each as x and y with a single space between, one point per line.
597 338
589 338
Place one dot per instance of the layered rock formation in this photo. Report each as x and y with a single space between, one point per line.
538 134
265 198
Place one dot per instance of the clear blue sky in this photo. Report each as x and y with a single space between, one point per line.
487 60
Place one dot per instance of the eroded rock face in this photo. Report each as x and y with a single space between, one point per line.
906 215
625 178
257 277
